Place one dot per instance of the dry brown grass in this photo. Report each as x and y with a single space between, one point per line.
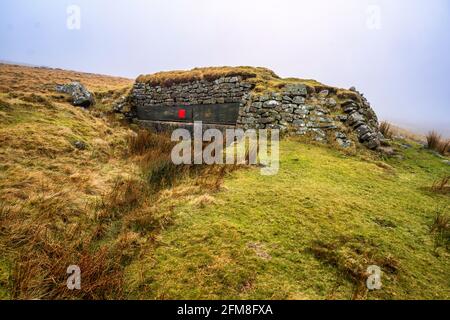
144 141
433 139
262 79
386 130
59 205
179 76
19 79
442 185
440 228
437 143
443 147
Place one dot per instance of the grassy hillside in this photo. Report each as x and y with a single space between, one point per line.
308 232
141 228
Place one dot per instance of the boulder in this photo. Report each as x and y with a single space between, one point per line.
81 97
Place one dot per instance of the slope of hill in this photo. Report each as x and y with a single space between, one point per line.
307 233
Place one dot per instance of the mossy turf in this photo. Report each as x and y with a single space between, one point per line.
263 79
304 233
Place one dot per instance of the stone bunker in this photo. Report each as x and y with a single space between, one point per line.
240 98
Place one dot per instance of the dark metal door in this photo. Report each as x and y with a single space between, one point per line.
226 113
165 113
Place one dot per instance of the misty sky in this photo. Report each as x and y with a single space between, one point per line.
395 51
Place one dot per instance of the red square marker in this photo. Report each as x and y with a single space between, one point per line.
181 114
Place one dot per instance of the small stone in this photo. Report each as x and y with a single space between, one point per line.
324 93
372 144
331 103
266 120
80 145
362 130
355 118
324 120
257 105
264 98
344 143
271 104
298 100
342 118
349 106
296 89
299 123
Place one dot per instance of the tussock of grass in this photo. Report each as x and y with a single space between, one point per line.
386 130
144 141
441 228
442 185
437 143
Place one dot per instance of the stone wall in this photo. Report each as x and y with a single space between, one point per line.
328 115
223 90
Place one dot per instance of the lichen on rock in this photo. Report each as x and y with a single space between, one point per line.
81 97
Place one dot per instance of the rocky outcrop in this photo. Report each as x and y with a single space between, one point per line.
81 97
343 116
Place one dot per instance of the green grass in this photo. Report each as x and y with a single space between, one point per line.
256 239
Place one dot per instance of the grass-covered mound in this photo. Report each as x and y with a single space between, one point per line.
263 79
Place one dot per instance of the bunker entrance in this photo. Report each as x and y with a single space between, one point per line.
226 113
